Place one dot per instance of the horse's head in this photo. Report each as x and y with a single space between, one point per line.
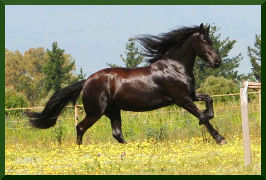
204 47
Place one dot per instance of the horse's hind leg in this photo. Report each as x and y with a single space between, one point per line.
115 117
82 127
95 101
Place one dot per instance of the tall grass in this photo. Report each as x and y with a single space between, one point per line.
159 125
165 141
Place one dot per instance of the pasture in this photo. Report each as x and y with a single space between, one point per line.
165 141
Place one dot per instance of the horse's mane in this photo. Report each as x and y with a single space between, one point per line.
156 47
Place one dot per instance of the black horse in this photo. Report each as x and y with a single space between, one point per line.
167 80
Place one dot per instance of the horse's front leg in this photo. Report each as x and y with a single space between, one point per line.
209 105
189 105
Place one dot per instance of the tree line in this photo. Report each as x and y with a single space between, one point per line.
33 76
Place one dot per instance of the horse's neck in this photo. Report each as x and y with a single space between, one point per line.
184 56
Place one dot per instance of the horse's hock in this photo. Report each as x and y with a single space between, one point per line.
244 113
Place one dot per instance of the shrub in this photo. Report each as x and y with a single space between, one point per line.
14 99
58 133
218 85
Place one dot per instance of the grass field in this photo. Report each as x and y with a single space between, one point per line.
165 141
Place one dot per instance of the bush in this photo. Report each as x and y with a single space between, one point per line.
218 85
58 132
14 99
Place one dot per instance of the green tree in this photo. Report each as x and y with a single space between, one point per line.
255 58
58 69
229 64
133 58
81 75
76 78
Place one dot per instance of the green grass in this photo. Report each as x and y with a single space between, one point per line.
163 126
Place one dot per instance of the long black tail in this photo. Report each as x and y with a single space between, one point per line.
47 118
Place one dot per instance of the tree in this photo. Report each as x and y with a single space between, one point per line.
24 72
81 75
13 69
255 58
133 58
228 67
32 83
58 68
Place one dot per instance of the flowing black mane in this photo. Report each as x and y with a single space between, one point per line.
155 47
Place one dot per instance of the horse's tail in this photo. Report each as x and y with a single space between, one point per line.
47 118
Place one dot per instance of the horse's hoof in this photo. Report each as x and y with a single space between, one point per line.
220 140
223 142
122 142
78 142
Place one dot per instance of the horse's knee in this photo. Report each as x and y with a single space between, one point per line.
208 114
209 99
205 117
202 119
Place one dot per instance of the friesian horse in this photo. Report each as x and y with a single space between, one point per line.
167 80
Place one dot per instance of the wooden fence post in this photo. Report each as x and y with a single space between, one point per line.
76 115
260 103
245 124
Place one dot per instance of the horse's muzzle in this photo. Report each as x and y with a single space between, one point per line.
216 63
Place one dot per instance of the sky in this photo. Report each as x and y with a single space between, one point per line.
96 35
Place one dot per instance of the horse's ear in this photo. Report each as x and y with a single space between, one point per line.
208 29
201 28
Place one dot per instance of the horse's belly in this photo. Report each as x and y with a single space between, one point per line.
143 104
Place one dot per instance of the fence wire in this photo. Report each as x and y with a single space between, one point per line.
16 118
